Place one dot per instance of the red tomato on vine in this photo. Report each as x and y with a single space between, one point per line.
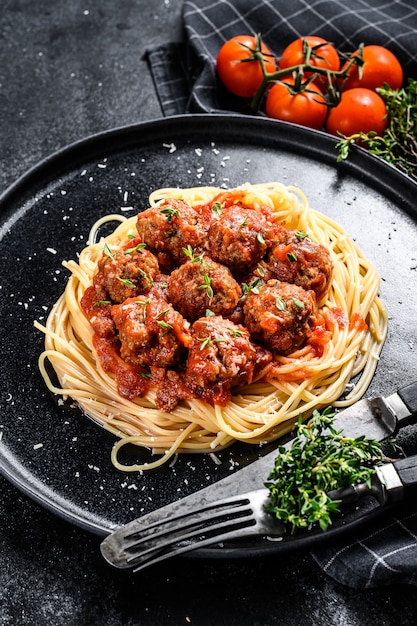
380 66
237 68
359 110
323 54
308 108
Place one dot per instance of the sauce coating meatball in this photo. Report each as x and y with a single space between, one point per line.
202 284
238 237
198 303
301 261
150 331
126 273
170 227
280 316
221 353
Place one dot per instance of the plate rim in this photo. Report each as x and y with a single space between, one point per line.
180 125
358 157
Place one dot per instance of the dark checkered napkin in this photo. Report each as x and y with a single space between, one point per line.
185 77
379 555
185 81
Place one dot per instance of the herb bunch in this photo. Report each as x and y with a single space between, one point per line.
398 144
319 460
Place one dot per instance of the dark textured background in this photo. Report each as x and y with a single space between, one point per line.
69 69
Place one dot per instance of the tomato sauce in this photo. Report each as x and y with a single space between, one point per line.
132 381
337 316
357 322
319 338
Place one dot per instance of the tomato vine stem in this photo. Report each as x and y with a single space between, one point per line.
298 72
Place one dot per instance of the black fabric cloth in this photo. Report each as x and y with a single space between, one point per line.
185 76
383 554
185 81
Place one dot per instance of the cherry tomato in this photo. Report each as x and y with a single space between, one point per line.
325 56
359 110
308 108
241 76
380 66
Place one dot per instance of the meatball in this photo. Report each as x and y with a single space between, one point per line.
280 316
98 312
126 273
238 237
301 261
202 284
221 354
150 331
170 227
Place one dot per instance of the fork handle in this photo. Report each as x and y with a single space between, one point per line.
408 395
407 471
399 478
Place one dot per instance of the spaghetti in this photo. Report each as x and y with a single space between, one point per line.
350 336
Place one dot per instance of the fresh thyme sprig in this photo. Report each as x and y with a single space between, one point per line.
217 208
398 144
206 341
254 286
320 459
194 258
170 212
207 286
107 250
138 248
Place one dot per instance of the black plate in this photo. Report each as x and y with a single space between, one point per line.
45 218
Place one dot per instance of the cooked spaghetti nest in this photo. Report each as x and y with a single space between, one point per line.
258 412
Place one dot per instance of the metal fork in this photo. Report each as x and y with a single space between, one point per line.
154 538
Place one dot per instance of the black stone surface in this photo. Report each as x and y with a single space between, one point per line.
68 70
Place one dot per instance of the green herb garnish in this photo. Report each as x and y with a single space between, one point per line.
137 248
190 253
170 213
127 282
147 277
236 332
207 286
254 286
217 208
163 324
261 270
320 459
398 144
101 302
300 235
298 303
108 251
162 313
280 304
205 342
244 221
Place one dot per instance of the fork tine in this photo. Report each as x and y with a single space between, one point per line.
236 506
233 528
193 528
168 532
233 500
